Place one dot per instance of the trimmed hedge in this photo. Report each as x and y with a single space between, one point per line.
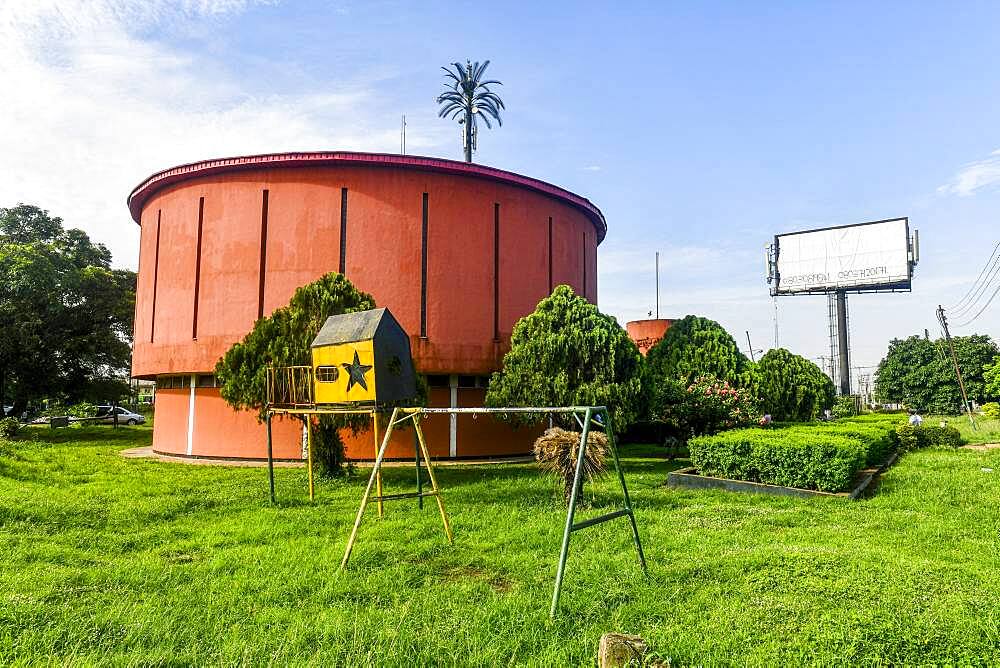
824 456
877 439
803 457
927 436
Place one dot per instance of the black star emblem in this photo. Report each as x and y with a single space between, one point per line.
356 373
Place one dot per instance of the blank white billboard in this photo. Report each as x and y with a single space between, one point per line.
853 257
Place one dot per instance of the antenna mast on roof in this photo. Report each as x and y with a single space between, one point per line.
402 136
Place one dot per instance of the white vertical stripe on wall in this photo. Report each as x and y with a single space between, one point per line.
190 448
452 418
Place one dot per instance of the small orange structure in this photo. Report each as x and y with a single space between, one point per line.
647 333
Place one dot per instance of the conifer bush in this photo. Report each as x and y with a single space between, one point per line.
567 353
790 387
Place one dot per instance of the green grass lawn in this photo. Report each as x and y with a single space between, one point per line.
115 561
986 431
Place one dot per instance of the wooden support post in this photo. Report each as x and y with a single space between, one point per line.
309 448
378 469
430 473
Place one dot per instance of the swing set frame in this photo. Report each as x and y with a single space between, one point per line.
585 416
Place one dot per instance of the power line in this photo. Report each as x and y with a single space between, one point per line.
984 285
981 272
986 306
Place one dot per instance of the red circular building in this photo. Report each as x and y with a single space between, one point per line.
457 251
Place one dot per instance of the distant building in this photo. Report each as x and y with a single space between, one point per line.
647 333
458 252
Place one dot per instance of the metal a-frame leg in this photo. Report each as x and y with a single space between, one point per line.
376 468
436 491
375 474
564 551
613 445
571 511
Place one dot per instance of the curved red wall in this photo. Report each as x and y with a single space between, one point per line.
205 301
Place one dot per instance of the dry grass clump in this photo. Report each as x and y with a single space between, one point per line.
556 452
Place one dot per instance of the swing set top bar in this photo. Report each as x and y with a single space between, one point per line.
538 409
318 409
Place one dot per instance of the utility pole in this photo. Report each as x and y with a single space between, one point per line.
402 136
954 358
657 285
750 346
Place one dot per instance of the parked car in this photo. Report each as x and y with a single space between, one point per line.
124 416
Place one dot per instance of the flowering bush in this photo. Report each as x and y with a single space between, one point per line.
706 406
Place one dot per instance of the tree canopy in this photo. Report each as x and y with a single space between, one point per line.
991 378
567 353
284 339
920 374
790 387
693 347
65 314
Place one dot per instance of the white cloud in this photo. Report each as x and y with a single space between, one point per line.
92 107
974 176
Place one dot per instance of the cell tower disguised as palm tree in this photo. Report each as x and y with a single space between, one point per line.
468 97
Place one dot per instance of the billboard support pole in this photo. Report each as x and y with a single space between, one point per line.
842 343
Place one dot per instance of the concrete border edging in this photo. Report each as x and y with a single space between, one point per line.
689 477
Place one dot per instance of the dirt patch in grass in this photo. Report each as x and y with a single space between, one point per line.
981 447
497 582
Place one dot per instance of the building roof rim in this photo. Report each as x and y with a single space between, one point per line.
153 183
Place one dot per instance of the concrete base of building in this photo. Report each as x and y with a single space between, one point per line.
149 453
197 422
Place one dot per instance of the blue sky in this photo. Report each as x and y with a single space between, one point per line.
700 129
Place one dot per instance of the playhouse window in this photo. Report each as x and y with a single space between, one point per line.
327 374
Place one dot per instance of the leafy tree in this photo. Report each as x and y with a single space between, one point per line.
469 97
693 347
65 314
920 373
567 353
790 387
991 379
284 339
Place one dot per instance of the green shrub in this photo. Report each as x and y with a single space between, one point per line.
934 436
991 411
927 436
845 407
802 457
892 418
790 387
9 428
706 406
877 439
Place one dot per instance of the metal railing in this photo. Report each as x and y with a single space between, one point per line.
290 386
